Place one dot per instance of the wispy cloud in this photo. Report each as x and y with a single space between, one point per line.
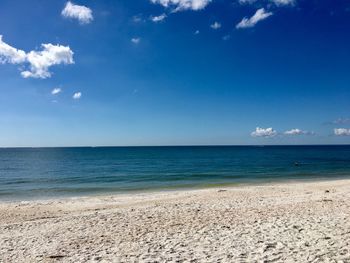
259 15
196 32
339 121
137 19
226 37
261 132
159 18
342 132
77 95
298 132
276 2
243 2
180 5
39 61
135 40
82 13
215 25
283 2
55 91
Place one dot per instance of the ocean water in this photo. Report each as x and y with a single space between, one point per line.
35 173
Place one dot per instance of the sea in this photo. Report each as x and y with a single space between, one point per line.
44 173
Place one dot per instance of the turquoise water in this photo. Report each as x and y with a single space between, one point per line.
27 173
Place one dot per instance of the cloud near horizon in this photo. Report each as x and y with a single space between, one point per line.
342 132
39 61
261 132
181 5
82 13
298 132
259 15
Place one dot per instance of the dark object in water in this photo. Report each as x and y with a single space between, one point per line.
296 164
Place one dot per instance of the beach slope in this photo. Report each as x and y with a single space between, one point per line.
289 222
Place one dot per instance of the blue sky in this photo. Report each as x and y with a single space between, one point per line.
174 72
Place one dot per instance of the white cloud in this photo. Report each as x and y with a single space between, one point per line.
136 40
39 61
342 132
298 132
183 4
51 55
55 91
77 95
196 32
283 2
259 15
261 132
294 132
158 18
82 13
215 26
10 54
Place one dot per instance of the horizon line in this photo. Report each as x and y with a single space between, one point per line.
182 145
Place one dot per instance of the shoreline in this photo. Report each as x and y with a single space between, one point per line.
175 189
300 221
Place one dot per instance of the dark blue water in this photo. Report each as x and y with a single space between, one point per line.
51 172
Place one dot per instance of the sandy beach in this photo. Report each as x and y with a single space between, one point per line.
289 222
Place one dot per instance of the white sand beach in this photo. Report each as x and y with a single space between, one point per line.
287 222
